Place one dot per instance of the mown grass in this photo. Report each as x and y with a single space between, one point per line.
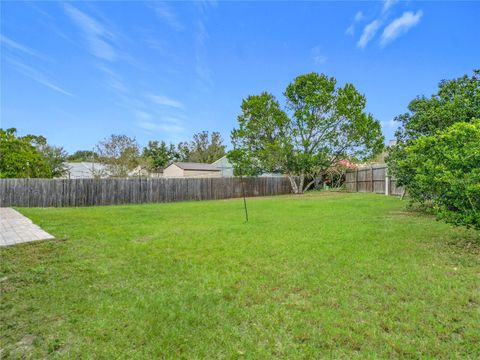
320 275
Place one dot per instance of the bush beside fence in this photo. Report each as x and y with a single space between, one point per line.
374 179
90 192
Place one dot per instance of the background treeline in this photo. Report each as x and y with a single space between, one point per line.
31 156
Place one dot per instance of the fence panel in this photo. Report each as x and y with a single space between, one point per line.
372 179
90 192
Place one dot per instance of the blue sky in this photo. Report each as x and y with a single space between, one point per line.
77 72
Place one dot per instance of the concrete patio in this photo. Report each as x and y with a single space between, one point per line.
16 228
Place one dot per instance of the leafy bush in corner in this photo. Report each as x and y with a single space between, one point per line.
444 170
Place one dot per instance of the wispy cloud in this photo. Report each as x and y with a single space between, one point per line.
164 101
317 56
154 126
350 30
37 75
400 26
139 114
368 33
17 47
168 117
167 15
357 18
202 68
387 4
99 39
113 80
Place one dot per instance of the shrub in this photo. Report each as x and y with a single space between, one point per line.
444 170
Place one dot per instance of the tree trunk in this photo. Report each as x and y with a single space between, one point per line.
308 185
302 181
293 183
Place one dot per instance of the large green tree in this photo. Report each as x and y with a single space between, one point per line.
205 148
457 100
20 156
160 154
55 156
322 124
119 153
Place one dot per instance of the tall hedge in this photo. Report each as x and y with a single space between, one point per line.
443 170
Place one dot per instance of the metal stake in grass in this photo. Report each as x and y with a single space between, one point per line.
243 192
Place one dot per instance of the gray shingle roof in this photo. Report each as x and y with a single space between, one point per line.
196 166
84 170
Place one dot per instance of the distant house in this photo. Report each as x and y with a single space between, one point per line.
225 166
191 169
85 170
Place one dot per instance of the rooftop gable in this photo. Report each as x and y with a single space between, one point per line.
195 166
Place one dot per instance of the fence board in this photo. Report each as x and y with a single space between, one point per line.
90 192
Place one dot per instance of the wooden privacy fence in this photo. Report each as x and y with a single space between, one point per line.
374 179
88 192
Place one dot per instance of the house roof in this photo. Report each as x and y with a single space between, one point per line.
84 169
196 166
219 160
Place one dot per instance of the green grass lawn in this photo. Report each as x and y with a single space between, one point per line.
320 275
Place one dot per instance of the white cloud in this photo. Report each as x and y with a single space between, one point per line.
151 126
400 26
157 123
387 4
143 115
318 57
165 13
204 73
350 30
389 123
16 46
368 33
113 80
358 16
164 101
98 37
37 75
172 119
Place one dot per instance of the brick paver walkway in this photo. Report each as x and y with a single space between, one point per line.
16 228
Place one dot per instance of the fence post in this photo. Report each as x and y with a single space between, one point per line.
356 180
371 178
387 182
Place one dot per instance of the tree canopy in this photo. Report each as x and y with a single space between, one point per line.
322 124
119 153
457 100
55 157
437 152
20 156
206 149
82 155
160 154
